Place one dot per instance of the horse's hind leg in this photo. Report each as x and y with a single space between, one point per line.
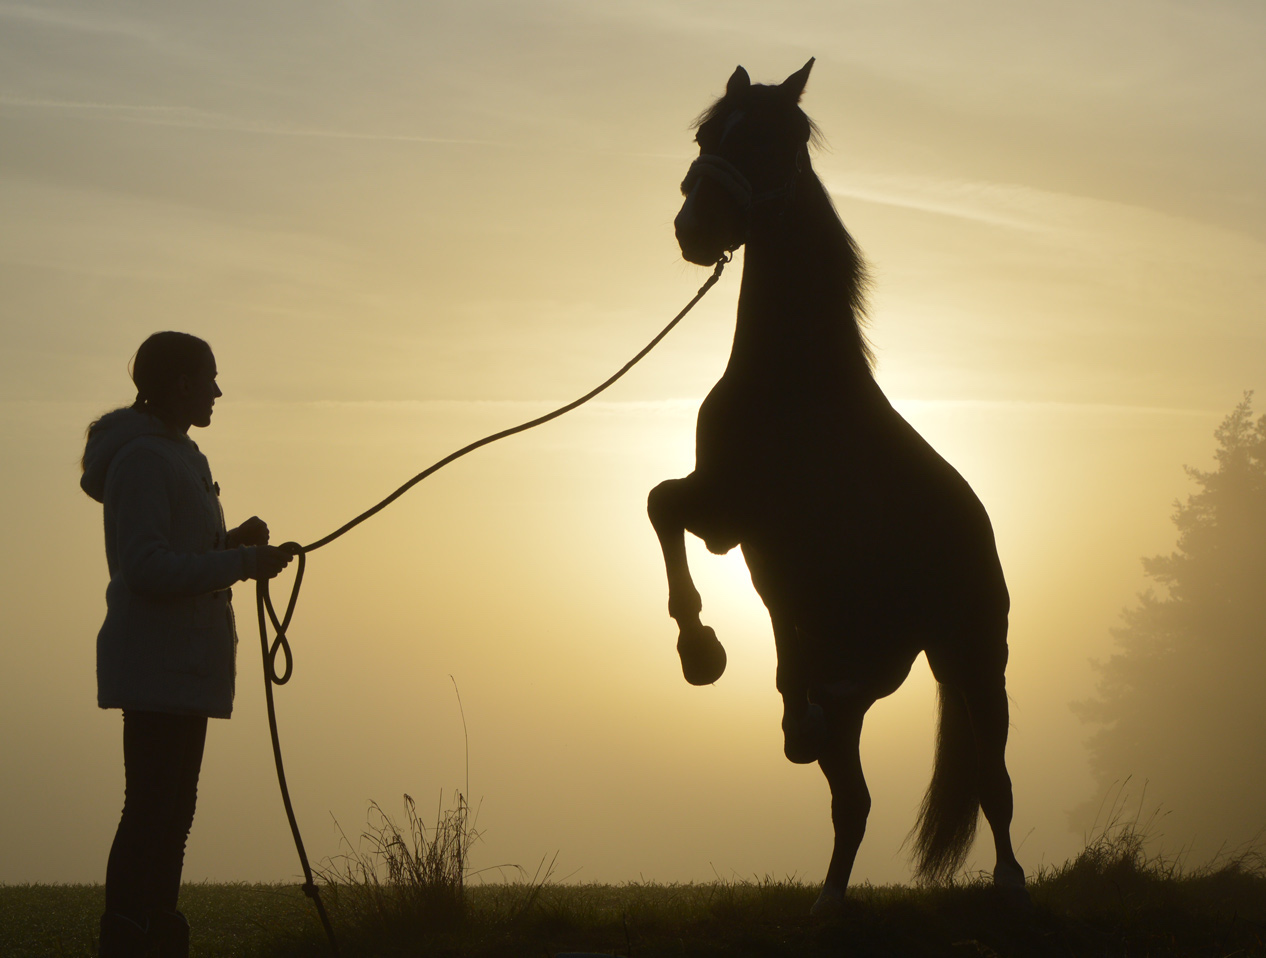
803 722
841 763
673 505
987 705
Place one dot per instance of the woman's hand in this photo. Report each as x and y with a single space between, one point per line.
269 560
252 532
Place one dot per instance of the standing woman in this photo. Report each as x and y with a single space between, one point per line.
165 654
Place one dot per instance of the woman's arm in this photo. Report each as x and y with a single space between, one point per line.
139 502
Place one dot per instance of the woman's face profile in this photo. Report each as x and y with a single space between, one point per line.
199 393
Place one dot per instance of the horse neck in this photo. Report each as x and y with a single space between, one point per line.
796 313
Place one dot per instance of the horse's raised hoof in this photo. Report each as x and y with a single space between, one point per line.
702 656
829 904
804 735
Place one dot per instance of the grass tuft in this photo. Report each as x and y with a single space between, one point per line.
407 876
1122 885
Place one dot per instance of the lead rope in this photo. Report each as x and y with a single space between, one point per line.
281 645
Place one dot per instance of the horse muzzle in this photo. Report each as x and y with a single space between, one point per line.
717 213
701 246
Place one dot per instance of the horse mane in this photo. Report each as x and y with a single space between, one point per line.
855 274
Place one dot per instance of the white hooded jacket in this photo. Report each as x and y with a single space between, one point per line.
168 641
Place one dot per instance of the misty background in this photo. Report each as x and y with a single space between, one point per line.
404 227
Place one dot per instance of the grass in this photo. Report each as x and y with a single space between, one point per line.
1222 913
407 891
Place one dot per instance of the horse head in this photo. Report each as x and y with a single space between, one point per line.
753 145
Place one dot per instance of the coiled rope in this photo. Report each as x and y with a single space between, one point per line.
280 644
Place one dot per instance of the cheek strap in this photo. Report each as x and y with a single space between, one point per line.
723 172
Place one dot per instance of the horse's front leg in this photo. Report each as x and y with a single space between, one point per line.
673 506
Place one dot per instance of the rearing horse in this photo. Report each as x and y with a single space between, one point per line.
866 546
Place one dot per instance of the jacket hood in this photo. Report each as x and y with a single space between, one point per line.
108 435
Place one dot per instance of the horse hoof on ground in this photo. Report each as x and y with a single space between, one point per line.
804 735
829 904
1008 883
702 656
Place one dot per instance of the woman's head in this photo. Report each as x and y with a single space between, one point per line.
175 375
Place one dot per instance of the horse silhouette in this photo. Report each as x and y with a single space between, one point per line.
864 544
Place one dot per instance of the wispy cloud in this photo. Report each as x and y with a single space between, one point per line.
1005 205
78 22
523 408
689 406
1090 229
193 118
1097 410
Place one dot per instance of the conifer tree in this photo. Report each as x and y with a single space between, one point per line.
1181 703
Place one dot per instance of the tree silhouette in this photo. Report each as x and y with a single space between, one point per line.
1180 703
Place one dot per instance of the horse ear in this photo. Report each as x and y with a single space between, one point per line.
793 86
739 82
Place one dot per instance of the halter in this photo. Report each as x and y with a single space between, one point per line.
730 178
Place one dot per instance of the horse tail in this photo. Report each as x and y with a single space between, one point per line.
946 824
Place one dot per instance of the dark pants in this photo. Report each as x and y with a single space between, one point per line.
162 755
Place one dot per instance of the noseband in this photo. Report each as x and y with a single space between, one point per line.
730 178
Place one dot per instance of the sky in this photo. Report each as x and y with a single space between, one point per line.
404 226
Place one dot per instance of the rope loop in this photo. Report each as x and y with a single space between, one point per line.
281 644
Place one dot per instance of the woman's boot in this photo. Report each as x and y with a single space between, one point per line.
122 937
169 934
